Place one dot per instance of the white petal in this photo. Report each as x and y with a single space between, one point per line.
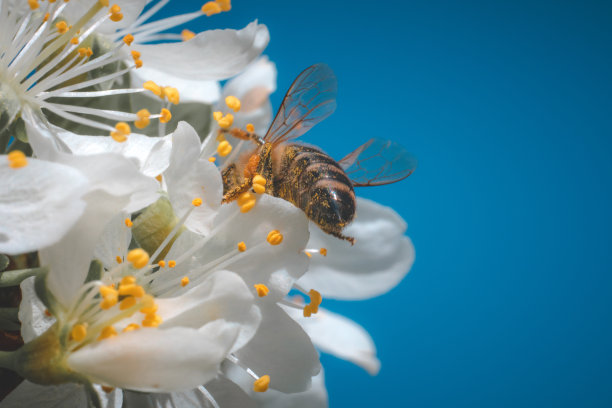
157 360
282 350
342 337
210 55
190 177
151 153
34 321
378 261
113 242
38 205
130 9
223 296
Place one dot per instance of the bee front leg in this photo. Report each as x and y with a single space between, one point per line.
235 192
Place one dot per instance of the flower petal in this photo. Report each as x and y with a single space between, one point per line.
190 177
114 241
191 89
378 261
39 204
130 9
34 321
157 360
342 337
282 350
210 55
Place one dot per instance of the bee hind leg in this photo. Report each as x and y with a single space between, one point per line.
235 192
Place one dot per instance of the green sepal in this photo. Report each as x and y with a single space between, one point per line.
95 271
153 225
45 295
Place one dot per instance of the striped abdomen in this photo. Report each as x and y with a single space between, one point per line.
314 182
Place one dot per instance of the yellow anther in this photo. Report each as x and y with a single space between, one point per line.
33 4
62 27
171 264
211 8
245 208
241 246
46 17
172 94
165 115
115 12
153 87
121 133
89 52
109 301
187 35
315 300
148 310
131 290
131 327
308 254
217 115
246 202
262 290
82 51
127 303
261 384
159 178
233 103
275 237
118 259
17 159
128 39
108 290
74 40
161 263
138 63
307 311
212 159
135 55
103 3
128 223
196 202
78 332
226 5
224 148
250 128
225 122
259 184
107 332
138 257
128 280
143 119
152 320
185 281
323 251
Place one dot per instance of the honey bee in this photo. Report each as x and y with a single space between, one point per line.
305 175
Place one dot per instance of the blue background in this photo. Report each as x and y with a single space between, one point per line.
507 105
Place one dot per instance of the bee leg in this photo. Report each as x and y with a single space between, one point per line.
344 237
265 168
235 192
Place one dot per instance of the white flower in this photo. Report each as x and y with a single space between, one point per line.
47 62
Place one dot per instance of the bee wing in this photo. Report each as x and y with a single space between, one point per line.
310 99
378 162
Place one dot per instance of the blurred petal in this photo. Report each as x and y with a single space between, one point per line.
282 350
39 204
210 55
342 337
157 360
378 261
34 321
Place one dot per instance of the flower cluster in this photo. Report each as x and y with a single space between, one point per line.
140 286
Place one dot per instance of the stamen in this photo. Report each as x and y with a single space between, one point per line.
262 290
212 159
315 302
138 257
116 14
187 35
172 94
275 237
17 159
127 303
121 133
62 27
144 119
107 332
161 263
246 201
79 331
128 223
211 8
250 128
118 259
131 327
185 281
323 251
261 384
259 184
226 5
196 202
152 320
128 39
225 122
153 87
224 148
241 246
171 264
165 115
132 290
233 103
33 4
